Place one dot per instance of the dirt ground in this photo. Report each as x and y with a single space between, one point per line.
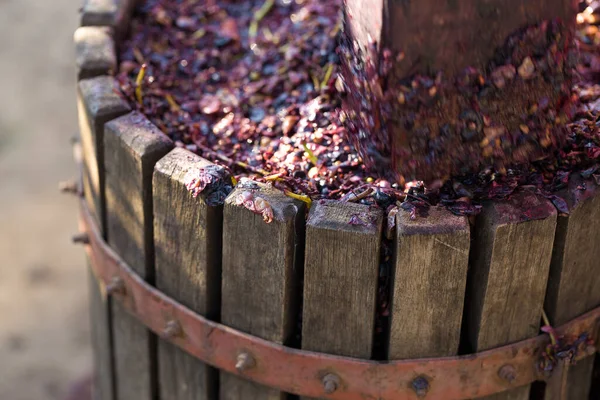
44 325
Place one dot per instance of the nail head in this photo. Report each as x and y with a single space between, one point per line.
172 329
508 373
330 383
420 385
115 286
244 362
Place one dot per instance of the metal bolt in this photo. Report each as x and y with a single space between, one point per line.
330 383
244 362
508 373
421 386
172 329
81 238
69 187
116 286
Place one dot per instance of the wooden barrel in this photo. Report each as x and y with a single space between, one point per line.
337 278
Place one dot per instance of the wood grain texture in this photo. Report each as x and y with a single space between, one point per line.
95 52
574 285
432 258
510 260
101 339
133 146
112 13
340 278
188 238
99 308
97 104
578 383
262 264
447 35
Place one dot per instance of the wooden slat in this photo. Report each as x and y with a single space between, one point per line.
113 13
510 259
97 104
260 277
103 388
95 52
432 258
101 341
133 146
188 238
341 270
574 285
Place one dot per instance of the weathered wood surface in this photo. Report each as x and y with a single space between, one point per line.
97 103
188 238
510 260
432 258
133 145
101 338
95 52
340 278
99 314
113 13
341 270
262 263
446 35
574 282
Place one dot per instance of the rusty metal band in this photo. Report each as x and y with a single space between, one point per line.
315 374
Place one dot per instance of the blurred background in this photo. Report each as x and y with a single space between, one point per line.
44 324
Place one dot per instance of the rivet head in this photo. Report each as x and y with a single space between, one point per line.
331 383
172 330
508 373
81 238
420 385
244 362
115 286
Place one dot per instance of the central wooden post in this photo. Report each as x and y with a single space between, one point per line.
449 87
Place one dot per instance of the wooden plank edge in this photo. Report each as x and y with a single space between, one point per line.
183 162
490 257
98 101
180 168
335 219
580 193
418 244
279 208
95 51
133 146
519 208
571 290
288 217
135 135
94 110
113 13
